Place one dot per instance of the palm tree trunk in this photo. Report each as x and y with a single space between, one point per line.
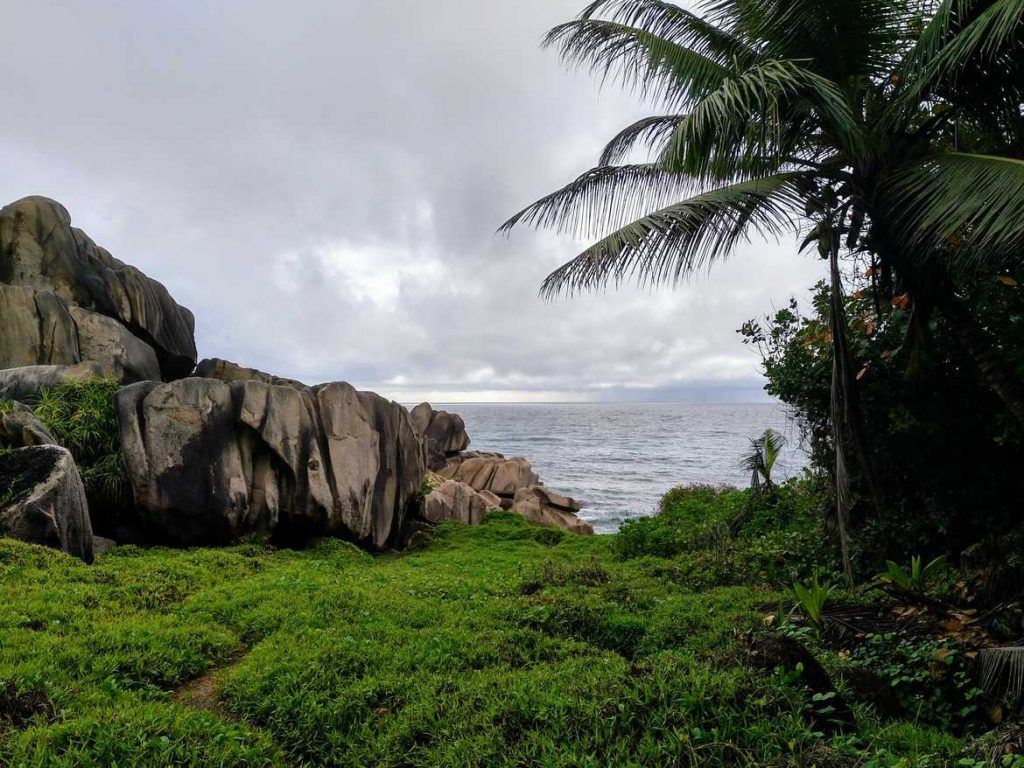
846 413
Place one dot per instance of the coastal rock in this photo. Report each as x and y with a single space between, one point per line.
22 383
491 500
453 500
491 472
20 429
226 371
547 507
106 341
44 501
209 461
444 433
40 249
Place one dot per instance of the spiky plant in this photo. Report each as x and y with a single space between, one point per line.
888 128
764 452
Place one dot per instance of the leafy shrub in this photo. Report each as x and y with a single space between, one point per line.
83 419
931 679
688 517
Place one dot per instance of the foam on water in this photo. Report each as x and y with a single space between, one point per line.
619 459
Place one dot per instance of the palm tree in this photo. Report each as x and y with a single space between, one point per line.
842 121
764 452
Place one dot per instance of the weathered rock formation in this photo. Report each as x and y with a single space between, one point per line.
226 371
491 472
43 501
57 284
453 500
21 383
209 461
20 429
547 507
444 433
106 340
512 484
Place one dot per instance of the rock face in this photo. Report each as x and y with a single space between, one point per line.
209 461
453 500
37 329
44 501
491 472
547 507
20 383
20 429
56 267
226 371
444 433
106 340
512 484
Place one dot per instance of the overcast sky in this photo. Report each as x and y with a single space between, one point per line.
320 182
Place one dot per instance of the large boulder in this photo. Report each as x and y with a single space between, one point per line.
453 500
40 249
22 383
444 433
43 501
491 472
209 461
20 429
547 507
225 370
106 341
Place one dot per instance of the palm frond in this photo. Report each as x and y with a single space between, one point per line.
648 131
747 119
991 31
674 23
1002 671
602 198
659 68
972 202
668 245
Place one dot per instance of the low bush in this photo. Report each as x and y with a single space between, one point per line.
83 419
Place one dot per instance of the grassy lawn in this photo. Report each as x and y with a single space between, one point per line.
504 644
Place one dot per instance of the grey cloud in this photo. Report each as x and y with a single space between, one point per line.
321 183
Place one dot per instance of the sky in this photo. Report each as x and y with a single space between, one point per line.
321 182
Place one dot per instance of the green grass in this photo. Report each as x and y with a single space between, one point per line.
504 644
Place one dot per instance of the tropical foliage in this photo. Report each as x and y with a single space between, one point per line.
887 134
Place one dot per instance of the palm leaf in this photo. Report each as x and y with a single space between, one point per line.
660 68
649 131
972 202
673 23
1002 671
750 117
602 198
670 244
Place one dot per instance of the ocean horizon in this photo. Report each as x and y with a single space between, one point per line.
618 459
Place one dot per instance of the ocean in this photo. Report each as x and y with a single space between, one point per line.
617 459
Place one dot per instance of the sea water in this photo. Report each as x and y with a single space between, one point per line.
618 460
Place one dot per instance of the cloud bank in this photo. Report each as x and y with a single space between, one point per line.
321 184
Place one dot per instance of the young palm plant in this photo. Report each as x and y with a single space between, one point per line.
764 452
842 121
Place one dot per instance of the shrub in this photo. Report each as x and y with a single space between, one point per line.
83 419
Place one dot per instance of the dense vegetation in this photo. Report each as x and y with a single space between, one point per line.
501 644
81 417
888 137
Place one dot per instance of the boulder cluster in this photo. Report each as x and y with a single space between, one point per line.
212 451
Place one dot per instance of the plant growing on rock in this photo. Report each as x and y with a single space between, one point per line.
82 416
